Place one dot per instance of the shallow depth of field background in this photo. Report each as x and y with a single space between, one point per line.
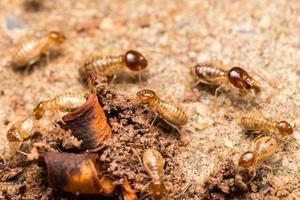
261 36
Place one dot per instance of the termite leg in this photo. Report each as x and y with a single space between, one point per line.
154 119
144 196
143 189
140 112
295 141
137 155
217 90
140 76
187 185
253 175
269 168
198 82
175 127
113 79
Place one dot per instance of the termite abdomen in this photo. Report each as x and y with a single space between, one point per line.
208 73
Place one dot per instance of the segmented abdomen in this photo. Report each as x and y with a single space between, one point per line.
27 52
265 147
65 102
255 122
170 112
210 74
103 65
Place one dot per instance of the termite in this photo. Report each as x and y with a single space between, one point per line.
30 50
255 122
214 74
20 130
63 103
108 65
264 148
169 111
154 165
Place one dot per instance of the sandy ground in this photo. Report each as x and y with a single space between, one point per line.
261 36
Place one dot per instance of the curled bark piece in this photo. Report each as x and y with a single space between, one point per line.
88 123
76 173
127 191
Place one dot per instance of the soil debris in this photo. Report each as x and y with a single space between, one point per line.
119 157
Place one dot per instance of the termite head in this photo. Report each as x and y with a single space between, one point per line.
56 36
247 160
146 96
39 110
157 188
284 128
239 78
135 60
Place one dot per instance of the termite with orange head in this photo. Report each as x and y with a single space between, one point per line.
154 165
109 65
167 110
213 73
255 122
264 148
30 50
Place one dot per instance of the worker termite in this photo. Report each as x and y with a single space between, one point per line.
214 74
154 165
29 51
255 122
108 65
19 132
63 103
169 111
264 148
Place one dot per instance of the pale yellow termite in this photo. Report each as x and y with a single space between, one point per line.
154 165
167 110
63 103
264 148
20 130
29 51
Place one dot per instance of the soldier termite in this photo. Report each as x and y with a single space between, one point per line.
108 65
254 121
29 51
154 165
63 103
214 74
264 148
169 111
